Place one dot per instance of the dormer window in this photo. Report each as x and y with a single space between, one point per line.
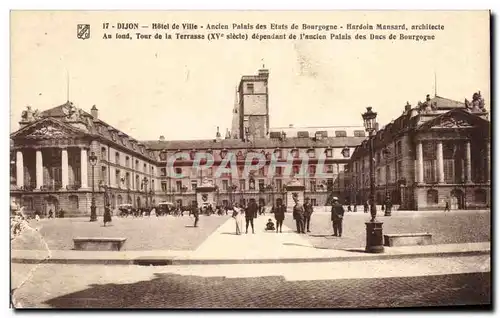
192 154
223 153
311 153
295 153
277 153
329 152
250 88
346 152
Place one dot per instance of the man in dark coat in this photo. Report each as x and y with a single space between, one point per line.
196 213
250 214
337 217
279 214
298 214
107 214
308 210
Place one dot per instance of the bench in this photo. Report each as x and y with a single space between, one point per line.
98 243
407 239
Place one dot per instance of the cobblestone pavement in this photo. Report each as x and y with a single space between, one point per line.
454 227
145 233
388 283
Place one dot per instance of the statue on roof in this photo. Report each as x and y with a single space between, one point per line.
477 104
29 115
72 113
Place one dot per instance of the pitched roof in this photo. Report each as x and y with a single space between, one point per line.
258 143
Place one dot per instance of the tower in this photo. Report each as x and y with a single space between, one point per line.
235 126
253 112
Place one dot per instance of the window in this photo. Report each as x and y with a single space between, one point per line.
250 88
209 172
277 153
152 171
118 178
359 133
225 185
432 196
399 148
251 184
279 184
194 184
312 184
329 168
311 153
127 162
163 172
104 175
480 196
296 170
145 168
429 172
329 153
164 186
261 185
329 184
399 169
279 171
313 202
127 180
312 170
261 172
104 155
73 203
137 165
117 158
295 153
137 182
388 174
242 185
178 170
340 133
178 186
449 170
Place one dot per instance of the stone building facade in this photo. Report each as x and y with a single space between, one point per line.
51 167
436 152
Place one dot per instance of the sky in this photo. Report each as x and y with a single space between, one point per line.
185 89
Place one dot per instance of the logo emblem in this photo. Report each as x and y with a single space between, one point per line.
83 31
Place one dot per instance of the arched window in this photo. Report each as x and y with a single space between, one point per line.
480 196
432 196
73 203
119 200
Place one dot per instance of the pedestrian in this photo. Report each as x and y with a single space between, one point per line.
365 207
51 214
298 214
337 217
196 213
308 211
349 208
250 214
238 218
279 214
388 204
270 225
446 205
107 214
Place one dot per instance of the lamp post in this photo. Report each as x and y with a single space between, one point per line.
374 237
386 153
145 185
93 213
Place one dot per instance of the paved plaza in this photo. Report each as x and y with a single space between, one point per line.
212 267
418 282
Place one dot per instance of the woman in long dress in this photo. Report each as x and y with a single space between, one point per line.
238 218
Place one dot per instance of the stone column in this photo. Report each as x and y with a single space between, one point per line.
39 169
83 172
420 163
468 165
64 168
19 169
440 163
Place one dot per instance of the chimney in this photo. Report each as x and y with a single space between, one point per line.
290 125
94 112
407 107
217 135
162 138
264 72
228 134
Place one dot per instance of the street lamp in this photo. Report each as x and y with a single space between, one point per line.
232 189
386 153
374 237
93 162
145 185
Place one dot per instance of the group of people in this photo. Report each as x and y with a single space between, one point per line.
301 214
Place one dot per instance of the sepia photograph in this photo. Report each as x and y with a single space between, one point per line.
250 159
